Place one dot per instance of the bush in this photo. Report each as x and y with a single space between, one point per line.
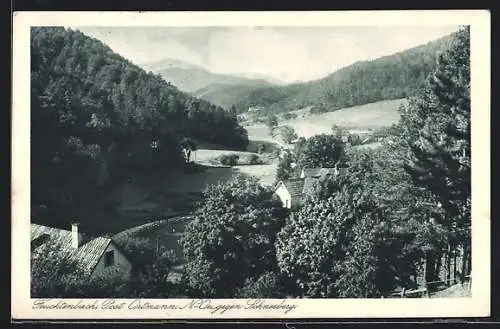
229 159
317 110
250 159
268 285
53 276
153 282
261 148
140 250
289 116
254 159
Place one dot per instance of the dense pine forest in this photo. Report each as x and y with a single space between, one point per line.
389 77
96 118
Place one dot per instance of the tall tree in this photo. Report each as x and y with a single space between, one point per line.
436 133
321 151
231 239
188 146
288 134
271 122
284 168
358 235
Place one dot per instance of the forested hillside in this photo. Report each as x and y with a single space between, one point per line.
390 77
96 118
227 95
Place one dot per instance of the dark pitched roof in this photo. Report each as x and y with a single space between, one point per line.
300 187
309 185
318 172
326 171
311 172
86 256
341 171
294 186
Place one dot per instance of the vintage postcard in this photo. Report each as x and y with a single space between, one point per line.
223 165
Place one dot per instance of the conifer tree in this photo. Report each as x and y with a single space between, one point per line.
436 134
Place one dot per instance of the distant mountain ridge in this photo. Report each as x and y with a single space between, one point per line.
202 83
389 77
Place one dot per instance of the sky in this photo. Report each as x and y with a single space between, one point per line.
288 54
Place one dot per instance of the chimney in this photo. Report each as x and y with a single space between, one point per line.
76 237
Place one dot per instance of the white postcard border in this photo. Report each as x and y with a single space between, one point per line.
23 307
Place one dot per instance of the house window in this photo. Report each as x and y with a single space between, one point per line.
37 242
109 258
287 203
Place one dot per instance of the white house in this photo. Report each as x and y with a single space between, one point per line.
293 192
290 192
95 257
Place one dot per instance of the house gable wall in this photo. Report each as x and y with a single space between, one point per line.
121 264
284 195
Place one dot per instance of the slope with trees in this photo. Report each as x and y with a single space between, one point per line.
399 213
390 77
96 118
436 134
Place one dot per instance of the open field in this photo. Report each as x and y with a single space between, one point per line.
144 198
197 181
168 233
210 157
265 173
356 119
259 132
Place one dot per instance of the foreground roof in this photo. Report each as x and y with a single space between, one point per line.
309 183
87 256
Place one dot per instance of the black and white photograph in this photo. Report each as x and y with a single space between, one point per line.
266 164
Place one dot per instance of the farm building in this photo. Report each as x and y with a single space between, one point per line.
317 172
95 257
290 192
293 192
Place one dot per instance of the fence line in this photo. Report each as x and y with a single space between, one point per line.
424 290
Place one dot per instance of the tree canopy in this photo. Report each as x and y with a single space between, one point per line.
231 239
321 151
370 230
435 133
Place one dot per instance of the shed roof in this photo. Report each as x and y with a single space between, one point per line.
309 185
294 186
87 256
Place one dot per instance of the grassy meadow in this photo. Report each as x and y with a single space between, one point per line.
356 119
